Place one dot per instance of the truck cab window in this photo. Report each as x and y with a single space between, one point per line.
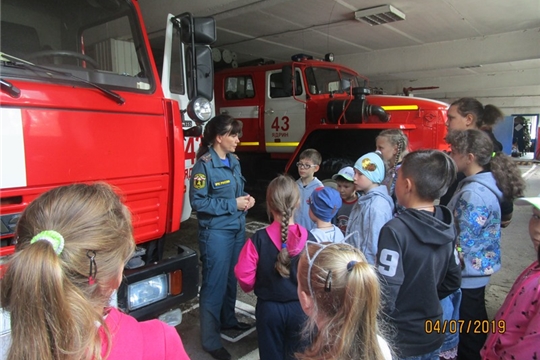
323 80
277 88
98 41
177 66
239 87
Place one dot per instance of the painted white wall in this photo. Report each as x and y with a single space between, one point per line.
509 77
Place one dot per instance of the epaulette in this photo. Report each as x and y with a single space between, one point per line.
206 157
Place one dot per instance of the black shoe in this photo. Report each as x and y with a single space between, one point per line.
239 326
220 354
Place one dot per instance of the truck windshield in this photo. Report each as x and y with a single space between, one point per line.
96 40
323 80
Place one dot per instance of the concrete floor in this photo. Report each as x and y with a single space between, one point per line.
517 252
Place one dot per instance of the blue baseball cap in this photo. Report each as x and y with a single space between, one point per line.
325 202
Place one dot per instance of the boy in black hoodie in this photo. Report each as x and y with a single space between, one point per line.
416 255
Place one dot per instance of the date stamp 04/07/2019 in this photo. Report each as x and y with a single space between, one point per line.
465 326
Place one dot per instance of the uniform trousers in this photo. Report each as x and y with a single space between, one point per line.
219 254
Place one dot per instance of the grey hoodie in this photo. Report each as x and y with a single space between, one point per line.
369 214
477 212
418 266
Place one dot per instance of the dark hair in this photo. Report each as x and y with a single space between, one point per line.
484 116
312 155
218 125
503 168
431 171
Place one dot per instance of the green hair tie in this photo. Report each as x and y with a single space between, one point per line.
493 154
53 237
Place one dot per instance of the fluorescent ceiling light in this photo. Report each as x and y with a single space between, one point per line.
379 15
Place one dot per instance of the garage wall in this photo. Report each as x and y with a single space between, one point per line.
509 78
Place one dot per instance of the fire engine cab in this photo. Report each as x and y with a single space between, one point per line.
309 103
82 101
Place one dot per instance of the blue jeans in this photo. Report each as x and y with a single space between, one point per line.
430 356
219 254
450 306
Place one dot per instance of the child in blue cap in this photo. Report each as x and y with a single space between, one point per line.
324 204
374 207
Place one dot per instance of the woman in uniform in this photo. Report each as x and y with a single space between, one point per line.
217 195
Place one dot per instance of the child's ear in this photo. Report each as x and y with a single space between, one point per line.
408 185
306 302
470 157
316 168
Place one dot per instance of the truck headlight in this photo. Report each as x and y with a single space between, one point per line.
147 291
200 109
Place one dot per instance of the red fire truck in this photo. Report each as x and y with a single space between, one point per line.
82 101
307 103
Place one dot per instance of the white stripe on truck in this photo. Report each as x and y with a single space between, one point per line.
13 165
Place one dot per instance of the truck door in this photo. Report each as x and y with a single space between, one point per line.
174 84
284 116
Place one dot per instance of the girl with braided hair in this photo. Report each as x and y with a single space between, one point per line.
268 265
393 145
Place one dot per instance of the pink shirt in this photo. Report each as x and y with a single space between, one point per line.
147 340
246 267
521 314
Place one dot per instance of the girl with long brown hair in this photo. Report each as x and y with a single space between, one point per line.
72 244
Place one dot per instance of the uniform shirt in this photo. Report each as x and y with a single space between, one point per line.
213 192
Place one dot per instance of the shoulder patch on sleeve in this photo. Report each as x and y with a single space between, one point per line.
206 157
199 181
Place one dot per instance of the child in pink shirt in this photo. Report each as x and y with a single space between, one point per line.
517 323
268 264
72 244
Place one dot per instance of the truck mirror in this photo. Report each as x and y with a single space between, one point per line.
205 71
202 29
286 73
